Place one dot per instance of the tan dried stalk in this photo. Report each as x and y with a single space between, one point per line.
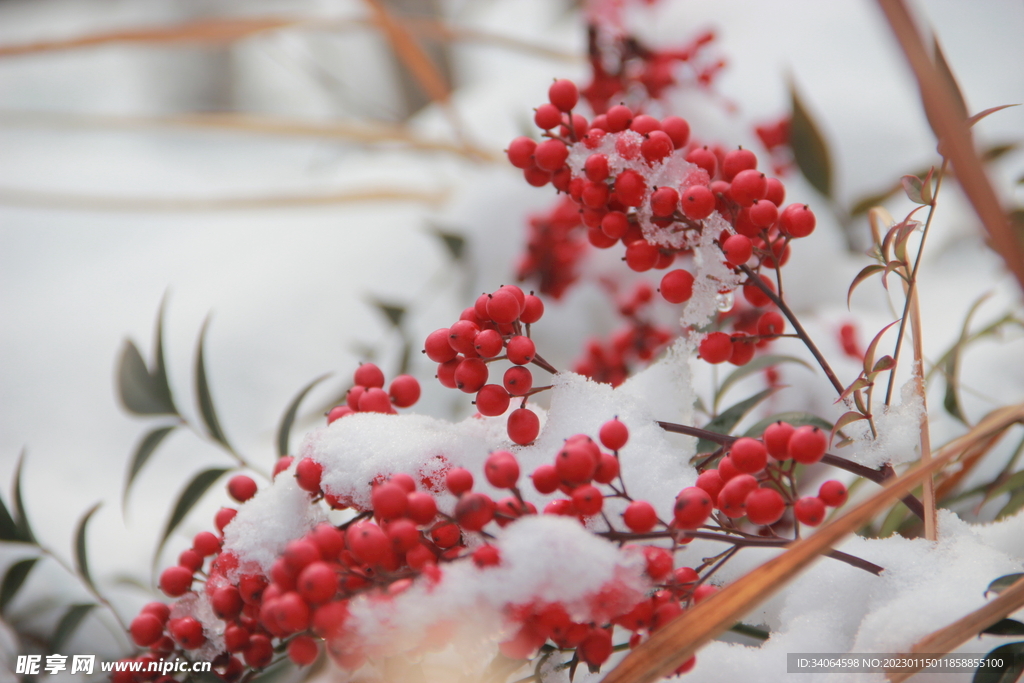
670 647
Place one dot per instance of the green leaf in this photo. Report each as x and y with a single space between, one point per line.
797 419
856 385
8 527
1011 656
68 623
145 449
724 423
159 371
865 204
1015 503
1005 627
756 365
454 243
140 392
206 408
1002 583
869 355
285 427
81 549
187 500
15 576
393 312
20 518
863 275
893 520
810 150
997 151
914 188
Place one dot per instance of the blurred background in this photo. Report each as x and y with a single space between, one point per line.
323 182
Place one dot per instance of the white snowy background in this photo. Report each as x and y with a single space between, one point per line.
289 287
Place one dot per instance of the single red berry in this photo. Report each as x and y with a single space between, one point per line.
738 249
146 629
618 117
518 380
307 475
260 651
520 350
421 507
375 400
236 638
533 309
303 650
744 225
241 487
474 511
471 375
536 177
550 155
763 213
369 375
797 220
630 187
563 94
692 508
736 161
677 286
486 556
726 469
776 439
644 124
547 116
705 159
596 168
404 391
459 480
501 469
749 455
317 583
462 336
587 499
659 562
224 517
711 481
614 225
641 255
698 202
765 506
226 602
488 343
640 516
716 347
614 434
663 614
809 510
389 500
770 324
206 544
833 493
175 581
656 146
403 480
523 426
748 186
743 348
755 295
677 129
338 412
368 543
520 152
574 464
437 347
503 306
492 400
187 632
664 201
191 560
594 195
446 371
776 192
596 648
732 499
329 540
545 479
807 444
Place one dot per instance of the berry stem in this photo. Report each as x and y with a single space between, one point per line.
543 364
788 312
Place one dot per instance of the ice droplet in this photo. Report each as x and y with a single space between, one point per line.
724 301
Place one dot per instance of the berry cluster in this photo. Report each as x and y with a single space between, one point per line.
367 394
496 327
554 247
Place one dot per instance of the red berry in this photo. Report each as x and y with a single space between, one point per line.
550 155
437 347
574 464
471 375
175 581
748 455
659 562
520 153
776 192
596 648
260 651
459 480
206 544
446 371
307 475
726 469
317 583
716 347
328 540
677 129
630 187
545 479
797 220
236 639
748 186
832 493
736 161
187 632
755 295
303 650
614 225
763 213
421 507
641 255
191 560
523 426
776 439
536 177
594 195
226 602
389 500
368 543
404 391
664 201
705 159
807 444
338 412
732 500
547 116
520 350
474 511
146 629
640 516
743 348
403 480
502 470
492 400
677 286
587 499
596 168
518 380
488 343
619 118
503 306
697 202
711 481
644 124
486 556
765 506
614 434
656 146
563 94
375 400
533 309
241 487
809 510
738 249
462 336
693 507
369 375
770 324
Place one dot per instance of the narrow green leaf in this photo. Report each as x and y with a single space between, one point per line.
1002 583
15 576
1005 627
393 312
724 423
8 527
869 355
882 364
206 408
951 399
81 548
138 391
996 152
187 500
893 520
20 518
810 150
454 243
863 275
145 449
1012 658
1015 503
756 365
797 419
68 624
1016 481
865 204
847 418
285 427
161 387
